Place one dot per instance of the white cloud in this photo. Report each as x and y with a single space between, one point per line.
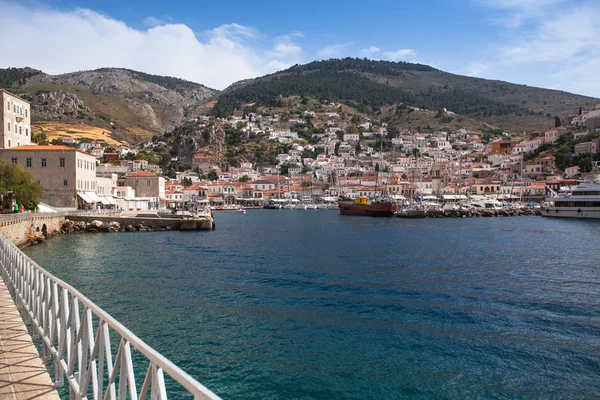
333 50
557 47
399 54
153 21
286 50
476 68
567 45
519 11
369 52
65 41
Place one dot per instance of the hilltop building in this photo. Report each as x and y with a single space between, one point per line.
15 118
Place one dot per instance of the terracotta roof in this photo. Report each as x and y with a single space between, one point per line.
47 147
141 173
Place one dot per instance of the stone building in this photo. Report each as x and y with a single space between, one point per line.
147 186
15 118
65 173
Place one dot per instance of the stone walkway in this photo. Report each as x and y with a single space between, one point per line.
23 375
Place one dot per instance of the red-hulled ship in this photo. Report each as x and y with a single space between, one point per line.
361 206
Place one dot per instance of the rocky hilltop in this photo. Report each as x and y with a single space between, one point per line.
378 86
134 103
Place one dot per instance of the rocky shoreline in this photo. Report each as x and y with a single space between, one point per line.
96 226
472 213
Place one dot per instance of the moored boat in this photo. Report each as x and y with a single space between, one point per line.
362 206
583 202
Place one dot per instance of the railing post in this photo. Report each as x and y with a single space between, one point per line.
51 307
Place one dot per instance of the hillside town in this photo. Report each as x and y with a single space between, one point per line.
342 155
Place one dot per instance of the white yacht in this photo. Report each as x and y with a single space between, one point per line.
582 202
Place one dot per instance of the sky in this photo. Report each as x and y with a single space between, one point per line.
546 43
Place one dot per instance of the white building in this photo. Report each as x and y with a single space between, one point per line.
15 118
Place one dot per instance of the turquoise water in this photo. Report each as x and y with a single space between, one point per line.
281 304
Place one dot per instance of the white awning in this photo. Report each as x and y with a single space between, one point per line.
85 198
94 197
104 200
111 200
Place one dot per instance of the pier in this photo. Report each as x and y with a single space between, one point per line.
90 351
23 374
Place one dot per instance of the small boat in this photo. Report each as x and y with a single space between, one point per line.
363 206
273 206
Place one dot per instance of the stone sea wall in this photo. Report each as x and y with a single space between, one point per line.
117 224
472 213
23 229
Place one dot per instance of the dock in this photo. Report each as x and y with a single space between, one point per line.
23 374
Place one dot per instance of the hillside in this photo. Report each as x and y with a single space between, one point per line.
132 105
371 85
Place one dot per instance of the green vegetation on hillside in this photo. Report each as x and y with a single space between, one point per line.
11 77
387 68
345 81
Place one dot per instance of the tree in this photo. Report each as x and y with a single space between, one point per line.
579 113
23 186
186 182
212 175
244 178
357 149
336 149
557 122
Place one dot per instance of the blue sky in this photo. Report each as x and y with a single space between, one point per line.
547 43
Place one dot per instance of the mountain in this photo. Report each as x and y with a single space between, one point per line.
131 105
370 85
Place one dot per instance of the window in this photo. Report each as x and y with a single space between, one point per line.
147 182
44 163
8 105
62 163
26 132
65 182
8 130
137 183
28 163
25 113
20 130
14 160
8 142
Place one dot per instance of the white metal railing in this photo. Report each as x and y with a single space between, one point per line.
18 217
76 334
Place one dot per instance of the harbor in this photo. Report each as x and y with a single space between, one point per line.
412 299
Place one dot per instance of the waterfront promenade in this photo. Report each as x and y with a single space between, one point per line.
22 372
